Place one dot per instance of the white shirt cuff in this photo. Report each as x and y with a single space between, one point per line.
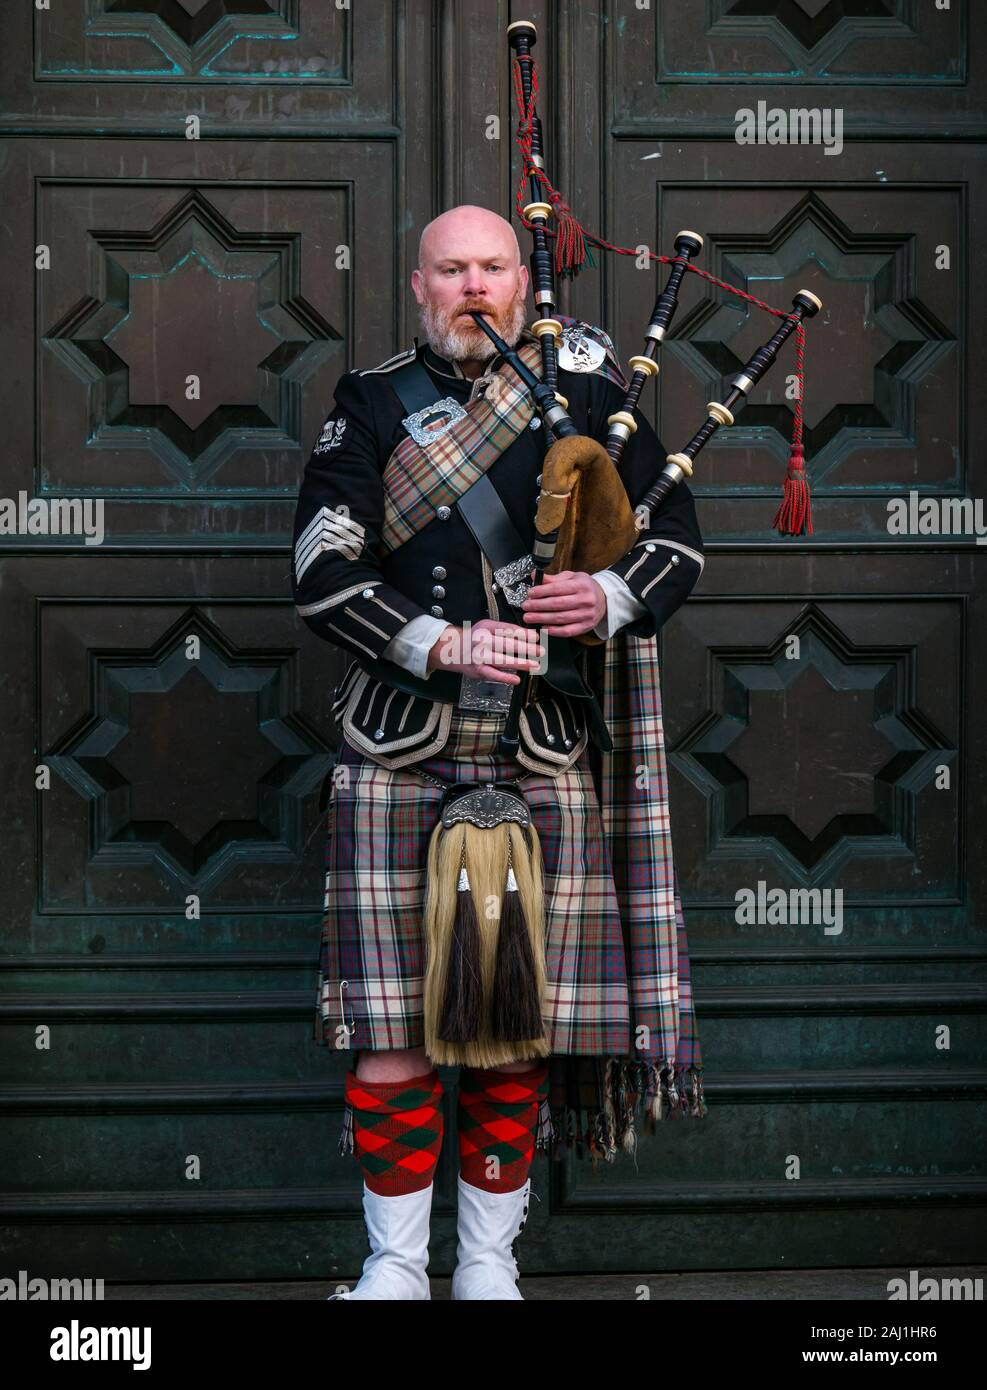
622 606
410 647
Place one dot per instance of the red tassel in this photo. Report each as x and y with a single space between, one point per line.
793 516
571 252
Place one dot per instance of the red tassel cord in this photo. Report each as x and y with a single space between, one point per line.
793 516
571 251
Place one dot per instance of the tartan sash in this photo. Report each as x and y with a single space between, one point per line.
418 479
635 815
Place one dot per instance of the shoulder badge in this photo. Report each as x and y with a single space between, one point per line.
585 348
578 352
331 436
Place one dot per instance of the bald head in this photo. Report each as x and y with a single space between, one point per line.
465 229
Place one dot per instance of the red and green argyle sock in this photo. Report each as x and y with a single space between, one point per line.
397 1131
497 1115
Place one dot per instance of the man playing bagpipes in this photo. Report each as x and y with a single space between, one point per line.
515 914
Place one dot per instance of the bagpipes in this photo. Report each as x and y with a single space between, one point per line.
485 971
585 521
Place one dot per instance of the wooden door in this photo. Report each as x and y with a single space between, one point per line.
846 1067
177 313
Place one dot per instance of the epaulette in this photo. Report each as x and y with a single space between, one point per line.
398 360
575 331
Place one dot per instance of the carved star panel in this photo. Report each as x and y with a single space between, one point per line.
854 41
176 770
264 68
816 766
198 341
173 40
191 333
865 278
884 404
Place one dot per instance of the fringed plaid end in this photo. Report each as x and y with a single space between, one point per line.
672 1093
698 1107
546 1133
630 1089
346 1133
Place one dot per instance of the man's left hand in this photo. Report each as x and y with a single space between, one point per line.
565 604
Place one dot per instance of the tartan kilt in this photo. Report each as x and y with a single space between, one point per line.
372 955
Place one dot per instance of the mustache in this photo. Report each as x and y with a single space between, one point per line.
456 337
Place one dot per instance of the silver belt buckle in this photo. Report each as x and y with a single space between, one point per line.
490 697
426 426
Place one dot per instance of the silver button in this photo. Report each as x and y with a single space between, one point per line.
493 585
435 611
535 422
443 513
439 572
650 547
438 591
378 733
550 738
675 559
567 742
538 480
368 593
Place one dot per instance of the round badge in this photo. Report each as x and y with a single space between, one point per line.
579 353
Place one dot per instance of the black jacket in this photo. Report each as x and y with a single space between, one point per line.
358 601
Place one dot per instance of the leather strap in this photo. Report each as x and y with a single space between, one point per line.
413 386
487 518
491 525
493 530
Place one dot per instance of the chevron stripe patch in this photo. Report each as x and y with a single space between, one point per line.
328 530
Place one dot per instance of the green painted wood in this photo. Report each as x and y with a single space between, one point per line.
172 1037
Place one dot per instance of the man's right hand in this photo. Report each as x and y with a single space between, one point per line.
496 651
